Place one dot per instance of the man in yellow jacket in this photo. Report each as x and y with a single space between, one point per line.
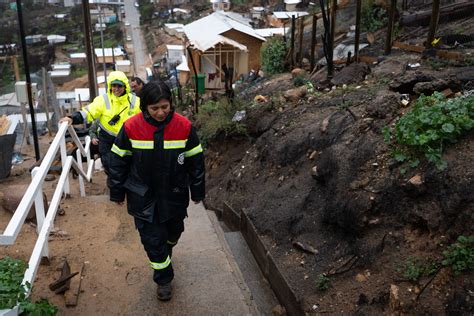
111 109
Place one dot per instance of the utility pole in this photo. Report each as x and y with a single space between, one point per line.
16 68
28 79
45 101
101 19
89 52
357 31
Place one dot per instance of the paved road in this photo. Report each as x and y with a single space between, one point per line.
140 58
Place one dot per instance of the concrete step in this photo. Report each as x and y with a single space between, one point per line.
261 292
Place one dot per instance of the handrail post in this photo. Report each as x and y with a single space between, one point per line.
62 145
81 179
40 212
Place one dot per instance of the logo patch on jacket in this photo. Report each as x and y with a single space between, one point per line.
181 159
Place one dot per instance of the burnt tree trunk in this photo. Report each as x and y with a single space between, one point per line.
327 37
433 23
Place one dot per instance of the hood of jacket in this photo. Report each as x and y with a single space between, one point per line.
117 75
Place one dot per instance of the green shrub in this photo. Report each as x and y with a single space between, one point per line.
215 119
273 55
414 268
322 283
12 292
460 255
373 17
432 123
298 81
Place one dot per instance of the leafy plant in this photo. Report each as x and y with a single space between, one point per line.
432 123
273 55
460 255
12 292
373 17
11 276
411 269
298 81
215 119
322 283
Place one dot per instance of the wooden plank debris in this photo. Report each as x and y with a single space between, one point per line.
62 284
71 297
4 124
420 49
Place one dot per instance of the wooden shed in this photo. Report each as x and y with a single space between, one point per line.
223 42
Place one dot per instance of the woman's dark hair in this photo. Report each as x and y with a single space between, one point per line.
137 80
153 92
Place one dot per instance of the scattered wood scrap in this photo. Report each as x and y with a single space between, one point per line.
61 285
71 297
4 124
306 248
438 52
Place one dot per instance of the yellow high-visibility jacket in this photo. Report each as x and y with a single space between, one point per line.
106 106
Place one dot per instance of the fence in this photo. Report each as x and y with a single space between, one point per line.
412 25
34 194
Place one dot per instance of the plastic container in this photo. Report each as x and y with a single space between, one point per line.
200 82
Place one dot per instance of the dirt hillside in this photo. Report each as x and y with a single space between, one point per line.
317 172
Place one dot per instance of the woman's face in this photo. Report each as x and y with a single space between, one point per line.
118 89
159 111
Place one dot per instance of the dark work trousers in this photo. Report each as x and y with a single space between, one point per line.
158 239
105 146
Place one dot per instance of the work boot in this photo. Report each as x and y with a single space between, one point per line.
164 292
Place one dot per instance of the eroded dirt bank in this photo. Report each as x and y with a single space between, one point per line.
318 172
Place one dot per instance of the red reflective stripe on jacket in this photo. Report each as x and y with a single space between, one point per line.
139 129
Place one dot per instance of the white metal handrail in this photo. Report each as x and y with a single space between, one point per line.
34 193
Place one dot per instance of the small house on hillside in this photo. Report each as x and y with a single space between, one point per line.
66 99
290 5
111 55
270 32
61 66
174 29
280 18
35 39
257 12
223 42
78 58
56 39
220 5
174 54
123 65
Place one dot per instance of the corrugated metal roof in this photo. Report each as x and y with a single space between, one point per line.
205 33
63 95
288 14
108 52
271 31
9 99
123 62
78 55
175 47
59 73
